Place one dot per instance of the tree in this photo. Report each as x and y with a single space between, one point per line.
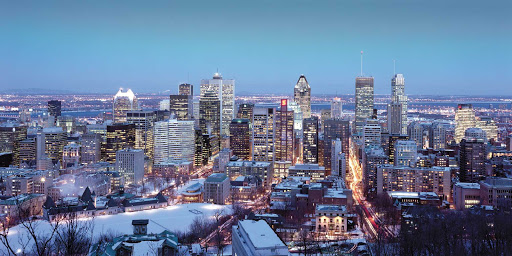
74 236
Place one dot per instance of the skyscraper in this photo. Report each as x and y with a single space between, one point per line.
124 101
224 90
464 118
302 95
406 152
338 161
210 113
335 128
143 121
397 109
181 106
364 101
310 140
53 142
91 148
130 165
174 141
372 133
416 131
54 108
119 136
240 138
437 135
186 89
472 155
10 137
263 135
336 108
245 111
285 137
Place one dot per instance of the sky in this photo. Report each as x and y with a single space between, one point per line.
441 47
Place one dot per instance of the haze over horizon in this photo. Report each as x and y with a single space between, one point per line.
441 48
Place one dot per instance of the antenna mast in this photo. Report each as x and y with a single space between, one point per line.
394 70
361 63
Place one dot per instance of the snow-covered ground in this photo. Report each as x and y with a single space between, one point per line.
172 218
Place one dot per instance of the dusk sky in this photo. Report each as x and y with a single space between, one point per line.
441 47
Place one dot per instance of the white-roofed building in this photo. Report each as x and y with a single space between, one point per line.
254 238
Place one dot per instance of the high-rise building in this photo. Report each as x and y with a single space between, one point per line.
406 152
53 142
472 155
372 133
437 135
489 127
302 95
216 188
297 118
335 128
245 111
372 157
364 101
224 90
210 113
181 106
464 118
71 155
388 143
310 140
397 109
143 121
263 134
91 148
416 132
100 129
475 133
11 134
119 136
202 148
240 138
124 101
284 135
54 108
336 108
186 89
174 141
28 150
67 123
130 165
338 164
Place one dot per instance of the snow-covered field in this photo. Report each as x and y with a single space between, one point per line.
172 218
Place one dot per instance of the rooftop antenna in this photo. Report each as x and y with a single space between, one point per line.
394 70
361 63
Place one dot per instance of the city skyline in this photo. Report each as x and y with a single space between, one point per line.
444 48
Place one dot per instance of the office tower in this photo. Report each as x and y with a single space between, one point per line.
298 117
186 89
100 129
210 113
119 136
437 133
372 133
373 156
27 153
302 95
388 143
364 101
245 111
224 90
475 133
310 140
416 131
54 108
11 135
217 188
67 123
464 118
181 106
414 179
71 155
397 109
124 101
263 135
406 152
338 164
174 141
262 170
336 108
240 138
284 135
130 165
489 126
472 155
53 142
324 115
91 147
143 121
202 148
335 128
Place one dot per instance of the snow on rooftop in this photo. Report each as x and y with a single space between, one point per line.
260 234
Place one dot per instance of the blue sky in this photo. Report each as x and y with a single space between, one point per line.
441 47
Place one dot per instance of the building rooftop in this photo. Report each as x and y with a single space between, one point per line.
260 234
216 177
467 185
307 167
241 163
331 207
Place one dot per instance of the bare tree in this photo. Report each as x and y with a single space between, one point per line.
218 235
74 236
